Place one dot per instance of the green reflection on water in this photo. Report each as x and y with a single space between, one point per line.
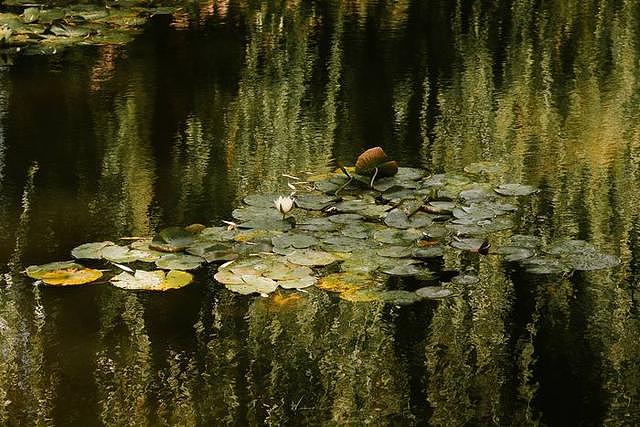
180 125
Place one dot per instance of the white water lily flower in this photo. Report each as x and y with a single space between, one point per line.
283 204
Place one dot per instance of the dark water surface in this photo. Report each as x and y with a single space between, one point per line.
220 101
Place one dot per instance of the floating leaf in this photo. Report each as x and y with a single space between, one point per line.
434 292
261 200
179 262
314 202
473 245
172 239
155 280
395 251
301 283
397 237
310 257
544 265
122 254
398 219
70 276
213 252
90 250
512 253
406 270
346 218
515 190
38 271
294 240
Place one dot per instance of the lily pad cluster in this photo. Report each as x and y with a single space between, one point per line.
363 239
35 29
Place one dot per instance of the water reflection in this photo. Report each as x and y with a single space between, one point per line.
222 100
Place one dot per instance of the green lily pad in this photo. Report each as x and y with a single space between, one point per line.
172 239
395 251
430 252
90 250
179 262
472 245
317 224
406 270
314 202
544 265
515 190
398 219
346 218
342 244
152 280
294 240
434 292
512 253
213 252
310 257
398 237
124 255
261 200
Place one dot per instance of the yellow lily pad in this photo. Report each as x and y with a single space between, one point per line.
71 276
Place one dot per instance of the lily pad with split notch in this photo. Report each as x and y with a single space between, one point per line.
172 239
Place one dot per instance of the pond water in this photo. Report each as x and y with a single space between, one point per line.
223 98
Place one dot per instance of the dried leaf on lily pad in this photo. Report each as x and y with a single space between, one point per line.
90 250
156 280
65 273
